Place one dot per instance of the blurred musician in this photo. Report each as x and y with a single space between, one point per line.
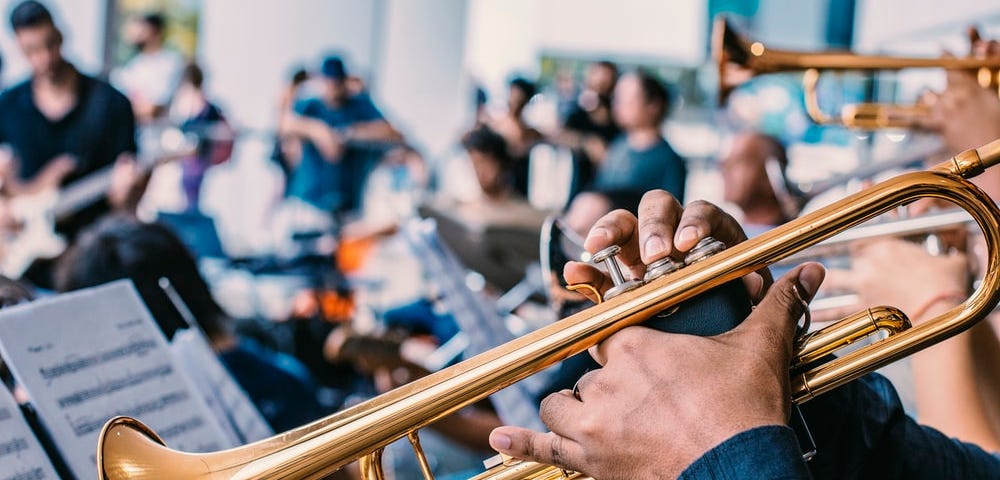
641 159
590 126
330 174
153 74
61 124
747 182
956 383
121 247
520 136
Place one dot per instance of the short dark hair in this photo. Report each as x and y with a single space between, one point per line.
121 247
654 91
777 148
193 75
484 140
610 66
299 76
527 87
30 14
156 20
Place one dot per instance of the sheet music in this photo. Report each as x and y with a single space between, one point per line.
21 456
231 405
87 356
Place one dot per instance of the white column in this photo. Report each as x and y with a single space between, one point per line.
420 81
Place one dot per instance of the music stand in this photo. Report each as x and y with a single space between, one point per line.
501 253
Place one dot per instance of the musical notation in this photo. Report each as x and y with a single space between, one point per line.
228 401
21 455
36 473
111 361
137 348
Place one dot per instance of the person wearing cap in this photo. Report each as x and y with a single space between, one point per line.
334 127
151 77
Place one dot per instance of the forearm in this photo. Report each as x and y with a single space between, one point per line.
948 396
313 131
376 131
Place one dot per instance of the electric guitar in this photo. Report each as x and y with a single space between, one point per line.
38 213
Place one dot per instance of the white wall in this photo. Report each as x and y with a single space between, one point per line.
82 24
421 81
508 36
250 47
880 21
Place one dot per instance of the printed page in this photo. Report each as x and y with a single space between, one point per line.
88 356
221 392
21 455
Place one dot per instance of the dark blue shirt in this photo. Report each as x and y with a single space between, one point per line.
861 431
95 131
324 184
658 166
278 384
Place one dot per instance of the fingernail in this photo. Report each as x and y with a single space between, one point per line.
500 441
687 235
654 246
810 277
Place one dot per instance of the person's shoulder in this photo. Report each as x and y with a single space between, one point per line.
361 100
307 106
664 146
17 91
115 97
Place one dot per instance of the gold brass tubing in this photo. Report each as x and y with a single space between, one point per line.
810 86
371 465
425 467
751 58
525 470
818 344
924 224
128 449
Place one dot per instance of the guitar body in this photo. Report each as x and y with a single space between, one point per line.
37 237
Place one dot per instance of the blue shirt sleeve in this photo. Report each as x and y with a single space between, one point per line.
364 110
765 453
305 107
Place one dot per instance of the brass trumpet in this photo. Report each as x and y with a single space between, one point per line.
129 449
739 59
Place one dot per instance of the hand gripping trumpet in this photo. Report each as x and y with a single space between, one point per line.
129 449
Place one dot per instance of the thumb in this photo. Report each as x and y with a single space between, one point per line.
775 317
549 448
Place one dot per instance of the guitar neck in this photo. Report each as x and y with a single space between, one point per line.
82 193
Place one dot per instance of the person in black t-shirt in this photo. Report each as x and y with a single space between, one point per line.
61 125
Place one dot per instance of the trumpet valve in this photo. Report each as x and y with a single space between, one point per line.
608 257
661 267
705 248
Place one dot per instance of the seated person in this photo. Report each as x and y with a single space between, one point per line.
520 136
763 201
496 233
121 247
641 159
331 172
666 406
590 127
196 115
